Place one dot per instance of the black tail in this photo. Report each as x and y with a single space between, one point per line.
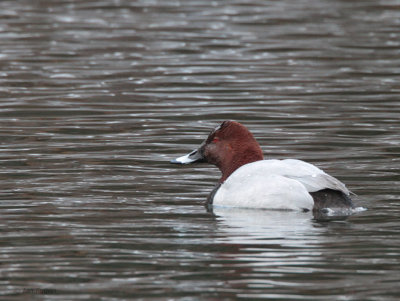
329 198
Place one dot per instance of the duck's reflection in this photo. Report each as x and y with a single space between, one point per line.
261 226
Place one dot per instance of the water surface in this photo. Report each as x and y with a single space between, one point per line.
97 97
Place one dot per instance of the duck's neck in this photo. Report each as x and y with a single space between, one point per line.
238 160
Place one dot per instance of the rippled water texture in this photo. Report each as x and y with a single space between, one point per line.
98 96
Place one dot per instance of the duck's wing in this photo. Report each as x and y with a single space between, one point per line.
313 178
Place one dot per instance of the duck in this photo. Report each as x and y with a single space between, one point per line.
250 181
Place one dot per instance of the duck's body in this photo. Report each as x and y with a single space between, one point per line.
277 184
249 181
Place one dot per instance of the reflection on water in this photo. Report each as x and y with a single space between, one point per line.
285 228
97 97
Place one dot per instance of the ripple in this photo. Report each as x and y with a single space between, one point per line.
98 96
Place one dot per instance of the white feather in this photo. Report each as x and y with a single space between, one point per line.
275 184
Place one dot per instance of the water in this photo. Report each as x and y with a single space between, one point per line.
98 96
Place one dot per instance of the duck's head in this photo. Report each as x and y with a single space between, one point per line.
229 146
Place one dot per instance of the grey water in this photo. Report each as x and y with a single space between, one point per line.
97 96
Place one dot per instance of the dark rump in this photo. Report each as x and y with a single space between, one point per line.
329 198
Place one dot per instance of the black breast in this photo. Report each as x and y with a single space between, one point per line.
210 197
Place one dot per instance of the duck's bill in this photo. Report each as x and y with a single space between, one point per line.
194 156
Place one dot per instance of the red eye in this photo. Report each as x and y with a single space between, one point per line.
215 140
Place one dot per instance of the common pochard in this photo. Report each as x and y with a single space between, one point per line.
249 181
